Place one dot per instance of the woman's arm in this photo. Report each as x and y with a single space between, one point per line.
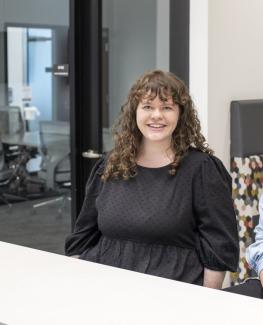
213 279
254 253
217 233
86 233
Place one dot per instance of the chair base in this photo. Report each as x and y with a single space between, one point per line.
5 201
7 197
64 198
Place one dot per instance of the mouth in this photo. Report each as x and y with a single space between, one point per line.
156 126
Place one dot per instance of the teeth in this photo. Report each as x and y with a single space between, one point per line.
156 126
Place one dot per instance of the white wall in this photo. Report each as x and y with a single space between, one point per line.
15 71
198 59
45 12
235 63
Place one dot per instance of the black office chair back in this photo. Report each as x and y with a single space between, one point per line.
11 120
52 132
2 157
246 128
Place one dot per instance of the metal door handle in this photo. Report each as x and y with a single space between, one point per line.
91 154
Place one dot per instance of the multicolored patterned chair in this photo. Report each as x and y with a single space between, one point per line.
247 173
247 180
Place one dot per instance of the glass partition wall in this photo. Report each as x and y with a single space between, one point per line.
112 42
135 38
35 171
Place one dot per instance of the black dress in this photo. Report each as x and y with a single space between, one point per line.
158 224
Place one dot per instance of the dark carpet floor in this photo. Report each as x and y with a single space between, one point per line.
41 228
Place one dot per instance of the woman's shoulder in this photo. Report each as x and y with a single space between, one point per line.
196 155
206 166
98 168
195 159
101 163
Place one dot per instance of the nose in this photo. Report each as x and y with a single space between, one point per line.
157 113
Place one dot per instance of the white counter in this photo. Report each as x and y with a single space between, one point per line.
38 288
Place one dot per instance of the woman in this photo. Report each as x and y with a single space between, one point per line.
159 202
254 253
253 287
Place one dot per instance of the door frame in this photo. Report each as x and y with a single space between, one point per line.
85 92
86 84
180 38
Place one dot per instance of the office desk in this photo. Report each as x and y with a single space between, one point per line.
32 139
29 139
38 288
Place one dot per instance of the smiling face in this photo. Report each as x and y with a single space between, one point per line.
157 119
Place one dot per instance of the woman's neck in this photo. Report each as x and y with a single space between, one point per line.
154 155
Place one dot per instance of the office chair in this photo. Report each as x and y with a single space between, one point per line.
246 152
5 175
17 154
11 122
7 181
55 165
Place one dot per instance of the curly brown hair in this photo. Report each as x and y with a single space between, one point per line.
121 162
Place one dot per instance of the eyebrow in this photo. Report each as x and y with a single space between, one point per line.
163 103
146 102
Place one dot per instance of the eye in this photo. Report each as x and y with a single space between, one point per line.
147 107
167 108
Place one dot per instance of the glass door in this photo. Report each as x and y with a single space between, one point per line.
135 38
122 40
35 154
112 43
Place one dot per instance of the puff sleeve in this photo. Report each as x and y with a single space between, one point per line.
86 233
217 241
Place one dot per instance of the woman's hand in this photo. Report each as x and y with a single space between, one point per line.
213 279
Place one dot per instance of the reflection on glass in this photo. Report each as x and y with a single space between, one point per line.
35 173
135 39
